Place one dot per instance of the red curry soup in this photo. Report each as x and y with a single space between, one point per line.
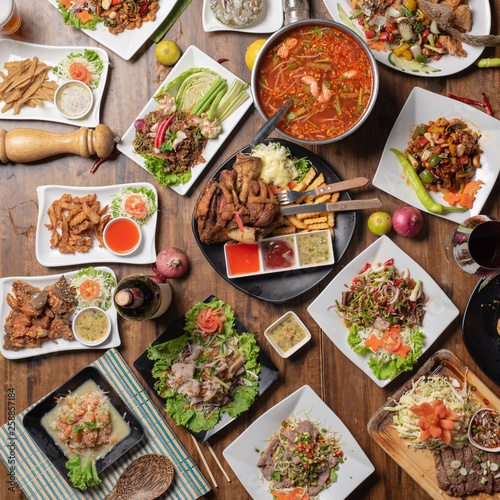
328 75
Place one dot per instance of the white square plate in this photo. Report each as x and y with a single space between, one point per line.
421 107
49 346
448 65
242 458
127 43
440 310
12 50
192 58
269 21
146 254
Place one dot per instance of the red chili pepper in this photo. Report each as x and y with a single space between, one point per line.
222 60
425 33
238 220
375 290
465 100
487 104
423 141
391 27
436 57
485 401
383 36
321 441
355 281
391 309
144 7
367 266
100 161
369 34
439 45
377 295
361 20
397 283
160 132
389 262
391 37
413 304
338 453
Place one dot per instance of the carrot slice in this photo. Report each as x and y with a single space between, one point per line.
452 198
473 187
402 351
65 3
467 200
377 45
85 16
373 342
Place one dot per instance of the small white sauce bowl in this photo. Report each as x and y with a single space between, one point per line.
95 342
295 348
65 85
113 221
472 440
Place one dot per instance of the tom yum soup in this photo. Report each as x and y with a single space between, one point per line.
327 74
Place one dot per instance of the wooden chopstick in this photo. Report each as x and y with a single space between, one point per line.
218 462
204 462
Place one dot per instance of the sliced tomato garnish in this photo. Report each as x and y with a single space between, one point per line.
79 72
391 339
135 207
89 290
210 321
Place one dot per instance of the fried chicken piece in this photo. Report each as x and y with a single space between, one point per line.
23 291
34 307
58 329
462 18
453 46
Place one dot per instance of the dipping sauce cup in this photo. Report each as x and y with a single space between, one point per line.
122 236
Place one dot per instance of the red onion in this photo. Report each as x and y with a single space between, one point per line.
407 221
170 263
138 124
156 278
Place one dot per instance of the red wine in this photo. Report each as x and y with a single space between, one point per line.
138 297
484 244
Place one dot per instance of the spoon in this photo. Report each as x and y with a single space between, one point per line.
146 478
270 125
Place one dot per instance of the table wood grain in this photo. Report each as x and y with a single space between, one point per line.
350 393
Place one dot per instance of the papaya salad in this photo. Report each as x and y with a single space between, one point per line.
207 371
384 309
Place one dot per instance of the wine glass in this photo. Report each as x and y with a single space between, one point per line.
475 245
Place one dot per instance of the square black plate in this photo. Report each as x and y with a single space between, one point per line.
268 371
31 422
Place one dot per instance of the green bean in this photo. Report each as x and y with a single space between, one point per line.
491 62
419 188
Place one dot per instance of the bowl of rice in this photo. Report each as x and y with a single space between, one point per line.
237 13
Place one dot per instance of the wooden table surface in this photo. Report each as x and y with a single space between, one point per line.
350 393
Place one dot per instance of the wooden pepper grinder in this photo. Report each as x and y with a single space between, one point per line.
23 145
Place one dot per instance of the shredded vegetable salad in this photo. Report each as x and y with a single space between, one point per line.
429 390
138 203
93 288
89 59
384 310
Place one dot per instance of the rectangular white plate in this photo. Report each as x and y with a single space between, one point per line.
269 21
145 254
12 50
440 310
421 107
242 458
192 58
127 43
49 346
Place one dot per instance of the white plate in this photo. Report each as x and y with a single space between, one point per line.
421 107
49 346
127 43
440 310
53 258
192 58
269 21
12 50
449 65
242 458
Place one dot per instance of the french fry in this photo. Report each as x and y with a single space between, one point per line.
308 215
288 222
296 221
335 197
331 219
315 227
322 198
332 232
311 174
280 231
315 220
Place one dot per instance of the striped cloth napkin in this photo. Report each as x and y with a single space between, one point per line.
39 479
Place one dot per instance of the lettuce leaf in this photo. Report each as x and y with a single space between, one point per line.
118 199
192 315
384 370
168 351
156 168
76 22
85 477
354 340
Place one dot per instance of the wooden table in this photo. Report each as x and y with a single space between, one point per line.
351 394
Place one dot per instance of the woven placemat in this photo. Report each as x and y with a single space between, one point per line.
39 479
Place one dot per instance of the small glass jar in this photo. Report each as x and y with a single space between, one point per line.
296 10
10 19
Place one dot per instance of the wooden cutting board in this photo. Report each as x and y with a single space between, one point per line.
419 464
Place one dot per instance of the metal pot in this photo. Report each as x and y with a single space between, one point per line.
334 25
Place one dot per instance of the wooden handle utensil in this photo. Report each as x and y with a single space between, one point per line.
23 145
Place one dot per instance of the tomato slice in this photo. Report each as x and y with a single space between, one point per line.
135 207
209 321
79 72
391 339
89 290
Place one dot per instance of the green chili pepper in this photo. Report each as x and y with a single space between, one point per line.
420 130
433 160
488 62
419 188
426 176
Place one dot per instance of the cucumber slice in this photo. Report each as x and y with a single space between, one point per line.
415 67
345 19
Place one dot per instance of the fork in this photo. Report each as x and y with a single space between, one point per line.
287 197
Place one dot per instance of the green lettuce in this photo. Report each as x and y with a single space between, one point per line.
354 340
76 22
85 477
156 167
116 209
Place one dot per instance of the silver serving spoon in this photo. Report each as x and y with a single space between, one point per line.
270 125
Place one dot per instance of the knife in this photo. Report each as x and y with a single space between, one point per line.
338 206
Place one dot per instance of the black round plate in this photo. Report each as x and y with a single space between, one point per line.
282 287
479 328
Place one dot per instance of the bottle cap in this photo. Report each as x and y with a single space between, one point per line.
124 298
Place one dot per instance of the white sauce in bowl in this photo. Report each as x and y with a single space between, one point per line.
74 100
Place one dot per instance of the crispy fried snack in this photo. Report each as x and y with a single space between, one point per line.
78 219
26 84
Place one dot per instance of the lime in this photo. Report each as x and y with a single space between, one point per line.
379 223
252 51
167 52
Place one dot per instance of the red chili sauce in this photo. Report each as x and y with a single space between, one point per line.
243 258
278 254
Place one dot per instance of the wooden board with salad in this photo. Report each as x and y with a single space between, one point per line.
420 464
